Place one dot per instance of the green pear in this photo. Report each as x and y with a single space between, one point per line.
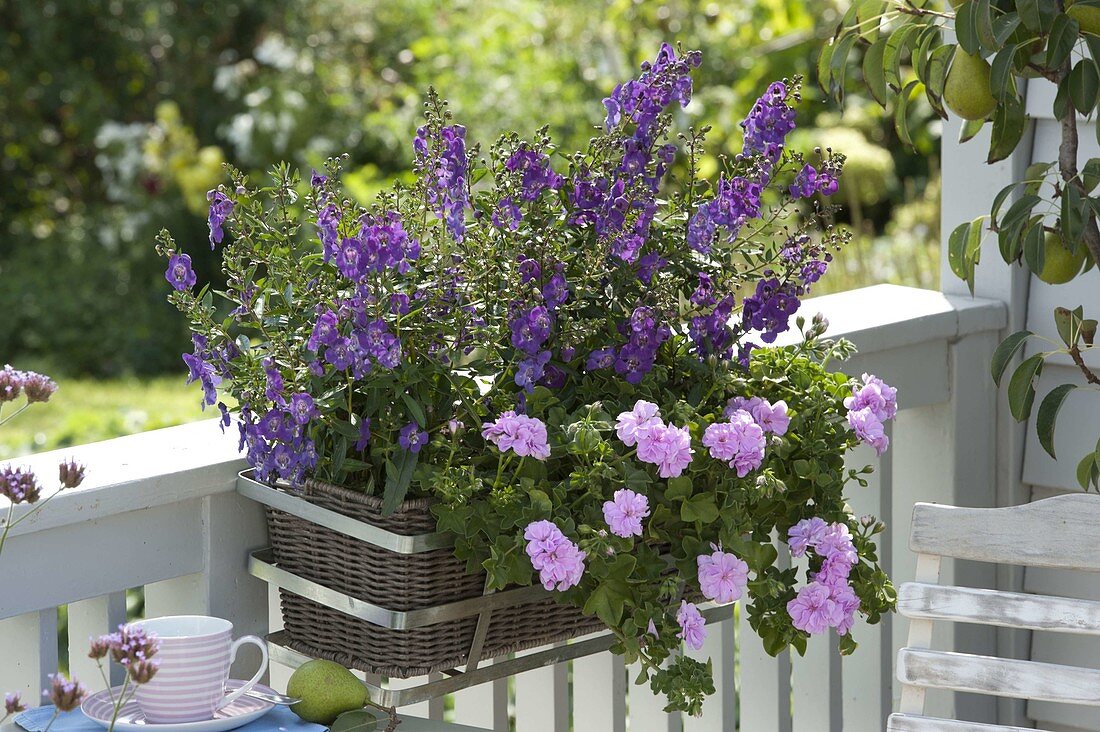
966 90
1087 16
1060 265
326 690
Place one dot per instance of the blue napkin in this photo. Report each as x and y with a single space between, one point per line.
279 719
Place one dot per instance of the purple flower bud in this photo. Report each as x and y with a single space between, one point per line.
13 704
66 695
11 384
19 485
70 473
99 647
142 672
37 387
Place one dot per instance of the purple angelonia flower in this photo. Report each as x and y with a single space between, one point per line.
220 209
179 273
412 438
364 435
302 408
601 358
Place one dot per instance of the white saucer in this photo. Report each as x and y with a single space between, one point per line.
99 708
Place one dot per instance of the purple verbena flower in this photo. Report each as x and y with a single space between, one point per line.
65 694
19 485
38 387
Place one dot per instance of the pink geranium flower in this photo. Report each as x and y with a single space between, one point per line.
814 609
624 514
667 447
723 577
692 625
631 424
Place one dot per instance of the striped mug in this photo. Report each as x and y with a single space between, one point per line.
195 655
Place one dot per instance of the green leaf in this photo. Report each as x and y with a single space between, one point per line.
970 129
1002 82
983 24
938 64
1035 246
1020 210
606 602
966 28
1090 174
359 720
1063 37
1084 81
1021 387
824 59
1068 324
901 114
1030 14
1005 352
894 52
1047 416
956 254
873 72
398 477
1008 127
415 410
679 488
1087 473
699 508
838 64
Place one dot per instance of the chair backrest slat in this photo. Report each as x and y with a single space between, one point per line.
999 676
1007 609
912 723
1053 532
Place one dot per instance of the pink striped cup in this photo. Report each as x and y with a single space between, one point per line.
195 655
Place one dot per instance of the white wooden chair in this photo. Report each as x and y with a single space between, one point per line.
1058 532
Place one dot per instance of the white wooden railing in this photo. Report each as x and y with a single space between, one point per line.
159 511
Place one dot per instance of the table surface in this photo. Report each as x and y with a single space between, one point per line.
408 724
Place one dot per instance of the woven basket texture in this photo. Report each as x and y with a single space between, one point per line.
399 582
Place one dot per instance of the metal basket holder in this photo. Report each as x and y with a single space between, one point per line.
261 564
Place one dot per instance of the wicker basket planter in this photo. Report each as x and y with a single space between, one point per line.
402 589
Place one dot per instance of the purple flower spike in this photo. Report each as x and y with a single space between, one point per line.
220 209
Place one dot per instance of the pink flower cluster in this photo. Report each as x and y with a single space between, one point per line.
772 418
517 432
560 562
624 514
828 600
723 577
666 446
692 625
740 442
869 408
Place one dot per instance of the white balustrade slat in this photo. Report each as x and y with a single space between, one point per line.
542 699
485 705
645 710
92 618
599 693
812 686
764 693
720 709
866 675
28 651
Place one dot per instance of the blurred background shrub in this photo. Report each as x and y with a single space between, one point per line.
116 117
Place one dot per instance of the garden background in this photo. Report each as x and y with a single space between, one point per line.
117 115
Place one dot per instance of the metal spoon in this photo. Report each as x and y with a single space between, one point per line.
272 697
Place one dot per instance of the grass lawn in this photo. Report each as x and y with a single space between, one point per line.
88 410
